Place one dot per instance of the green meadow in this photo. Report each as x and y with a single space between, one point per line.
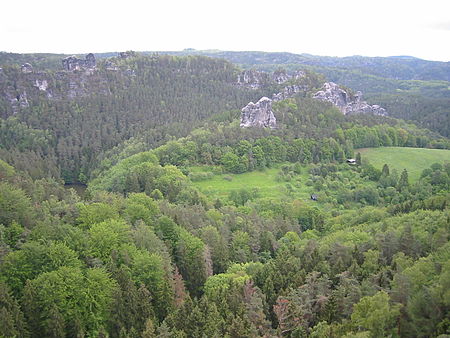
414 160
220 185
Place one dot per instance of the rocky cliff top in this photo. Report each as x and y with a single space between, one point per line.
72 63
257 79
346 102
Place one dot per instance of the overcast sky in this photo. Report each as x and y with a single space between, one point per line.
321 27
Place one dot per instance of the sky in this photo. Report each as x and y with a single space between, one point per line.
321 27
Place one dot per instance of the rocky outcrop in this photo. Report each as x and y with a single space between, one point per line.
110 65
346 102
287 92
258 114
41 85
255 79
72 63
26 68
280 76
127 54
17 101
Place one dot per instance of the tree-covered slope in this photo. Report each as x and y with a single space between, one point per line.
86 112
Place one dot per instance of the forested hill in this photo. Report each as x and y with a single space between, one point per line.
396 67
411 88
61 120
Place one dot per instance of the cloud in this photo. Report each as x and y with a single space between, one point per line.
445 26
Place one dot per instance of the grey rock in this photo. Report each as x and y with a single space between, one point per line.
90 61
127 54
41 85
280 76
287 92
253 79
111 66
298 74
258 114
18 101
130 72
347 103
72 63
23 101
26 68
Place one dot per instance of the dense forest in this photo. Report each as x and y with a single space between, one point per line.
63 127
343 250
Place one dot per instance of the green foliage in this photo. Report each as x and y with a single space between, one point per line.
376 315
14 205
140 207
243 195
6 171
73 301
90 214
107 236
12 320
34 259
192 261
148 269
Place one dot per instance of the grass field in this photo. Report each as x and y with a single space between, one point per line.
220 185
414 160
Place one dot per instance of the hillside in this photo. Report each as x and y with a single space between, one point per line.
411 88
86 111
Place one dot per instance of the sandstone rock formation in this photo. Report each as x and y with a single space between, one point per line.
257 79
127 54
258 114
110 65
280 76
287 92
72 63
253 79
26 68
42 85
347 103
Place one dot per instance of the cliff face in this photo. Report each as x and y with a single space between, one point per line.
258 114
347 103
